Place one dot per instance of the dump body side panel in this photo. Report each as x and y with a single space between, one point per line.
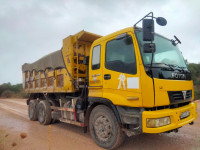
60 71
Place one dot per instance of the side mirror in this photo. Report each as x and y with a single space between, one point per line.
148 29
86 60
149 47
161 21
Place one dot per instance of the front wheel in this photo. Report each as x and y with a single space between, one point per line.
104 128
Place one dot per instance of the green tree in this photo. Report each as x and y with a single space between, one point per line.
7 90
4 87
195 71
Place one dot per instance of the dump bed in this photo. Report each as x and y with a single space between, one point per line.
62 70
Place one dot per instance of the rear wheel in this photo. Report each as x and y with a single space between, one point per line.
52 103
104 128
44 112
32 110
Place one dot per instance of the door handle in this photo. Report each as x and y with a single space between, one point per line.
107 76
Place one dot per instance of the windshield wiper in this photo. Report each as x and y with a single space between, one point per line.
169 67
181 68
161 65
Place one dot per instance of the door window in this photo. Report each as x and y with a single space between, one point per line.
96 57
120 55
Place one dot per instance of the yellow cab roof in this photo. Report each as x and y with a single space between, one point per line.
99 40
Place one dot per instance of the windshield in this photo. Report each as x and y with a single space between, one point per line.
166 52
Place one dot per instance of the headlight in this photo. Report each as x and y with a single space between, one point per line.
158 122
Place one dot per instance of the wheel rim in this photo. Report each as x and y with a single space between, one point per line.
103 128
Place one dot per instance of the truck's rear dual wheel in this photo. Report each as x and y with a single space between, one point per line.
32 110
52 103
104 128
44 112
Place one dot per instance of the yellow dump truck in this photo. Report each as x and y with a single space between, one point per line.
130 82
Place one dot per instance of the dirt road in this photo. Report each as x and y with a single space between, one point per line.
17 132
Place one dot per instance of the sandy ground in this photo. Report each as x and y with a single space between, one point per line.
17 132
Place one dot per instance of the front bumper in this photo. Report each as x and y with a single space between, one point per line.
174 115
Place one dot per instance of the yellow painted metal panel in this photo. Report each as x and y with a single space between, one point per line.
75 48
96 76
118 96
146 83
163 86
174 114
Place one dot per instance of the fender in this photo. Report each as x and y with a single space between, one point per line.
94 101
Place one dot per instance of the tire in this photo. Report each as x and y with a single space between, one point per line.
52 103
104 128
32 110
44 112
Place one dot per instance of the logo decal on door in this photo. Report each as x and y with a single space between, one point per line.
94 76
122 79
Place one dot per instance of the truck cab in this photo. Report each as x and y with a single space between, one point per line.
119 72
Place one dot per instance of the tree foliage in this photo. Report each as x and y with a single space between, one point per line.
195 71
8 90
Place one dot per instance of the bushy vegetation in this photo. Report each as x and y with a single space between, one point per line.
8 90
195 70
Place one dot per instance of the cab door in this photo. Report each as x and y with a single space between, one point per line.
121 73
95 72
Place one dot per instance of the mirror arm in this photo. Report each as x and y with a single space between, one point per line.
151 62
145 17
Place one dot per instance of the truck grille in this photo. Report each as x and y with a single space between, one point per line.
179 96
171 106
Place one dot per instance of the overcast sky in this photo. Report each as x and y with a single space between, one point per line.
30 29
